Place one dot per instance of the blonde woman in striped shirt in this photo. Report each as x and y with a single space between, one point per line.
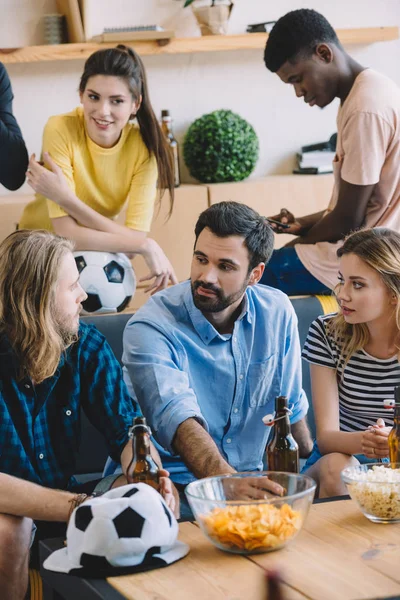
354 359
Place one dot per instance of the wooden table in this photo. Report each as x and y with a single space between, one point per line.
339 555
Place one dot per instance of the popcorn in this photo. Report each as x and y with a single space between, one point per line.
377 490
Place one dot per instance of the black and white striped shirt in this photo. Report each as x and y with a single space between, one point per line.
363 384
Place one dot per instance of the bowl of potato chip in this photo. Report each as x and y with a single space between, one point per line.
252 512
376 489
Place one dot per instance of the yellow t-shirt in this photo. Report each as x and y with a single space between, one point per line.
104 178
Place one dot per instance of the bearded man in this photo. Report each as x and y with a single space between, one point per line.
206 358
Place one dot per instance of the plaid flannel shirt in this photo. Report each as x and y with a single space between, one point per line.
40 424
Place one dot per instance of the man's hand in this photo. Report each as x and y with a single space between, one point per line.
287 218
169 492
51 183
251 488
374 442
165 487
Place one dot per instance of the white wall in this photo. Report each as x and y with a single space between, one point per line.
191 85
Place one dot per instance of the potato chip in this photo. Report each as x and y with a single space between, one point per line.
252 526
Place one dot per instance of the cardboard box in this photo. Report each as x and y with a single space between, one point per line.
301 194
176 234
11 209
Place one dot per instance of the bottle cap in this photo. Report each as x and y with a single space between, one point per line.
165 114
139 423
268 419
388 403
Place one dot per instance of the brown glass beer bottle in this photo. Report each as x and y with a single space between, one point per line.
282 449
142 468
394 435
166 126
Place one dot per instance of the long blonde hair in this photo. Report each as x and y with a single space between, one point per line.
379 248
29 269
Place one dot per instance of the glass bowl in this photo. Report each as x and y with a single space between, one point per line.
238 513
376 489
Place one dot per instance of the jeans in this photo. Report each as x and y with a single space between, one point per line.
286 272
316 455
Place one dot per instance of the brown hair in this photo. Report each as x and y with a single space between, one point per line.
379 248
29 267
125 63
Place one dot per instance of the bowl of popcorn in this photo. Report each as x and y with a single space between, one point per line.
376 489
251 512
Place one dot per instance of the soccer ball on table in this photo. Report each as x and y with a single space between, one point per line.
107 278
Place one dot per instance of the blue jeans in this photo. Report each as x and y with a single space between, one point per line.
286 272
316 455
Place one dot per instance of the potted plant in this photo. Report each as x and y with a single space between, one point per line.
220 147
211 15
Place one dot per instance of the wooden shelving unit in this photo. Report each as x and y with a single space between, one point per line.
212 43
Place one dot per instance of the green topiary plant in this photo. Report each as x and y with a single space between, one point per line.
220 147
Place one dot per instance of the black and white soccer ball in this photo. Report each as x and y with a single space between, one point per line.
123 532
107 278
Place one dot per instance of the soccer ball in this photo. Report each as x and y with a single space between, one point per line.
108 279
128 531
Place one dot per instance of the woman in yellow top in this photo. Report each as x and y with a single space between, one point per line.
97 161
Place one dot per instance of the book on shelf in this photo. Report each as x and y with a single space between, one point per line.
136 33
313 170
71 10
317 158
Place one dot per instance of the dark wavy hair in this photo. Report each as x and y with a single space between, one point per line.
233 218
296 35
125 63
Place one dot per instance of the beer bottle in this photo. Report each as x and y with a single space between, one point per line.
142 467
282 449
166 126
394 435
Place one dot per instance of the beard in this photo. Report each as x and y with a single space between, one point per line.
67 327
218 303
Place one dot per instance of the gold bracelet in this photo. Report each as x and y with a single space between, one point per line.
75 502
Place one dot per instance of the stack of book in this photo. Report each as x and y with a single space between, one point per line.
316 158
318 161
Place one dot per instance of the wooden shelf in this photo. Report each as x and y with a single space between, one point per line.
212 43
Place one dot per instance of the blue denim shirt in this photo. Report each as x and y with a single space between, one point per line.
178 366
40 424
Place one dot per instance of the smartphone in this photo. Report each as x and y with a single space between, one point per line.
283 225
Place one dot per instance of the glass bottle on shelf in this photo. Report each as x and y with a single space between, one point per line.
142 468
166 126
394 435
282 449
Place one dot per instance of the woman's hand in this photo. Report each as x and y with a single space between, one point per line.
160 268
374 441
51 183
169 492
287 218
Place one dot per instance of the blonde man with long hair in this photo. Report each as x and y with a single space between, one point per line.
354 359
51 366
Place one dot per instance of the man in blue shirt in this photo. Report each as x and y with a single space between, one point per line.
206 358
50 367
